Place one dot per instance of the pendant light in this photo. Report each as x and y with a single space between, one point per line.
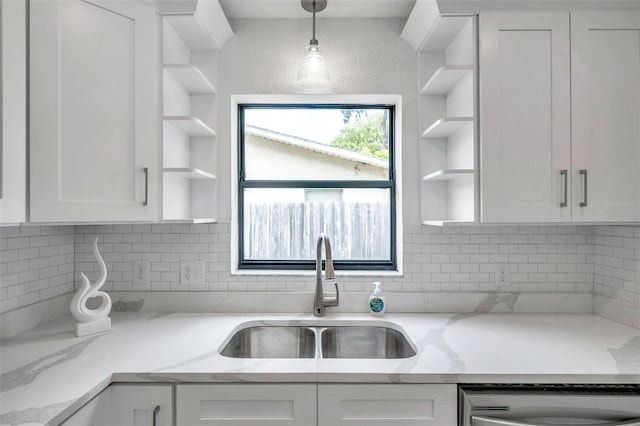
313 73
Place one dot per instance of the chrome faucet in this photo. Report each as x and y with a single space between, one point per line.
320 301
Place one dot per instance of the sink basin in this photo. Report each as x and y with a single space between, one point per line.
272 342
332 341
365 342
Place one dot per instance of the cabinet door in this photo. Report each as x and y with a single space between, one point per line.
127 405
605 79
387 404
525 121
246 404
95 110
13 111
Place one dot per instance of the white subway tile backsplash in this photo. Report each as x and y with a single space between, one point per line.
36 264
42 262
615 263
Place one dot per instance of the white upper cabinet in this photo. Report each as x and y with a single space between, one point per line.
95 105
560 122
13 112
525 117
605 86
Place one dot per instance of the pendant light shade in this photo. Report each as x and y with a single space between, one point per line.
313 73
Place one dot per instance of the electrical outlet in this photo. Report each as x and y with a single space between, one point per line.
141 272
503 275
192 272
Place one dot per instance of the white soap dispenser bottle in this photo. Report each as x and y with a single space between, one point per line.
376 301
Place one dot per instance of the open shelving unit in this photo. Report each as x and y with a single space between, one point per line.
448 153
190 107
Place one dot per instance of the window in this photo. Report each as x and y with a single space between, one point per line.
306 169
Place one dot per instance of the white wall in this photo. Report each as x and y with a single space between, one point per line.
363 55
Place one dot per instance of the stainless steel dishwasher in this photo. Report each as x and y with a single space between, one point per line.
549 405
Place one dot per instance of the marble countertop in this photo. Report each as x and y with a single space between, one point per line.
48 373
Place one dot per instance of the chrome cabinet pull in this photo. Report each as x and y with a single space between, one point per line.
155 415
563 176
583 172
146 186
490 421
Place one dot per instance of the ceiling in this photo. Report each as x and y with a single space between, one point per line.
235 9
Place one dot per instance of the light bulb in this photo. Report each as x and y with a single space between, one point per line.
313 73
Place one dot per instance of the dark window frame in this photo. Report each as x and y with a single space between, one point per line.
390 183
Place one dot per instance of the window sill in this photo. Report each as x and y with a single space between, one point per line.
339 274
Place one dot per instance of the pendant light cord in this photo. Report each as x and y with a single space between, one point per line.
313 38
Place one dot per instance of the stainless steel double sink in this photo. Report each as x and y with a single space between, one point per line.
313 341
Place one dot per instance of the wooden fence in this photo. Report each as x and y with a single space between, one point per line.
357 231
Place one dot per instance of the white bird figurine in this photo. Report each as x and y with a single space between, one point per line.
92 320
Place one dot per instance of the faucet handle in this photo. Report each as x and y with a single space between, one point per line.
332 301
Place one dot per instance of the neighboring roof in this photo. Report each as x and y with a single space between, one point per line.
314 146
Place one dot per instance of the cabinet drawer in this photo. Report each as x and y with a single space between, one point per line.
386 404
246 404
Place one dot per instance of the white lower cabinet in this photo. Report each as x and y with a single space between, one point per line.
387 404
246 404
271 404
316 404
127 405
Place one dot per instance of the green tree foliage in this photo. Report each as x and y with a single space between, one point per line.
365 135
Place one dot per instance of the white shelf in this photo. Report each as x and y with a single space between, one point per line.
192 31
445 78
447 174
192 220
189 173
190 77
447 222
190 125
446 126
202 25
443 32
